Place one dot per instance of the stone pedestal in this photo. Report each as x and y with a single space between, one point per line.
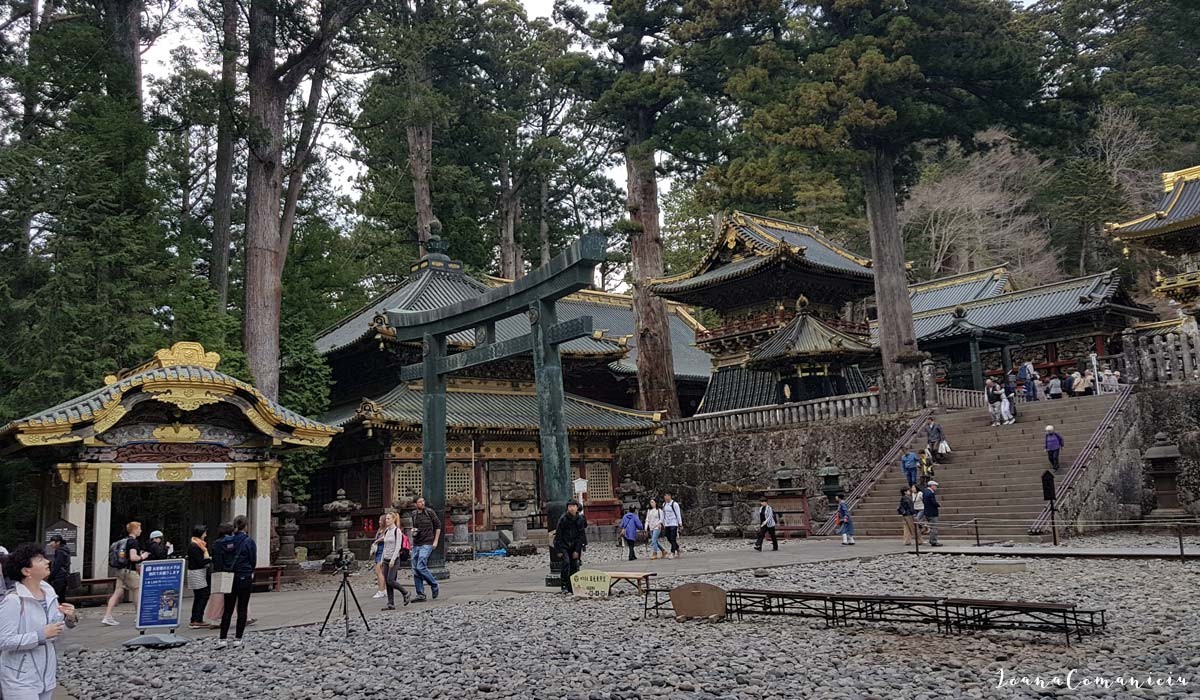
340 508
726 526
287 511
459 547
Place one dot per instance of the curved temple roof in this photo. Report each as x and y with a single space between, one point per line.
1178 212
184 375
805 337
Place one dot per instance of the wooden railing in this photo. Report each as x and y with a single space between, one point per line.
845 406
867 482
1085 456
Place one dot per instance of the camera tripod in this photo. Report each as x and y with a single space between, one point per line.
345 591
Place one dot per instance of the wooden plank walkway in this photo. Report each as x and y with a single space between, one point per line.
1189 552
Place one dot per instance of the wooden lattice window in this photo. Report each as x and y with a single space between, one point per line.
599 476
407 478
374 487
458 480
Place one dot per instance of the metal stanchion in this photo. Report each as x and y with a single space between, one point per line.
1182 556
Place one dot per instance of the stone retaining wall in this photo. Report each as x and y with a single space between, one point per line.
690 465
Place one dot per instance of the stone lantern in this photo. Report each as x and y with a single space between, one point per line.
404 506
1162 469
784 477
831 481
518 503
630 492
459 547
340 508
726 494
287 511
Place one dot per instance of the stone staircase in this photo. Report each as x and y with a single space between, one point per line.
993 474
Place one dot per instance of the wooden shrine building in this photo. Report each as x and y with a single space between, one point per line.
175 422
491 411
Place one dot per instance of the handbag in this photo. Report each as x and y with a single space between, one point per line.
943 447
222 582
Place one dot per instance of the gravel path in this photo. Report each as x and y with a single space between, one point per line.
550 646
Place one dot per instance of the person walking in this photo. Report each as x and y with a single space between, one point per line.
907 513
31 619
198 581
396 548
124 556
926 466
377 550
1010 391
1055 389
845 522
1054 443
929 496
631 525
672 522
427 532
1030 376
995 395
908 464
570 539
766 525
236 554
60 566
1070 380
1086 386
654 518
934 435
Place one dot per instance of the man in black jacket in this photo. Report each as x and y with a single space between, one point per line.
929 496
570 539
60 567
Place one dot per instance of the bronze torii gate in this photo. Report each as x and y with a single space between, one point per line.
534 295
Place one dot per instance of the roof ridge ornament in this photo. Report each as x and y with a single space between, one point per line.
185 353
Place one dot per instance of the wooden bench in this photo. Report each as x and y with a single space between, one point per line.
640 580
273 578
91 597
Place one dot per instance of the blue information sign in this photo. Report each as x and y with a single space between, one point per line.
161 596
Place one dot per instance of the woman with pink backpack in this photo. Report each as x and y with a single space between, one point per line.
397 548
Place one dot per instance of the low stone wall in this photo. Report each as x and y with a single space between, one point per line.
1175 410
690 465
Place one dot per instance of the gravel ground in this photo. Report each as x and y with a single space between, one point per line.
550 646
1156 538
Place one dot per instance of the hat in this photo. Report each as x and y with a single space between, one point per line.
3 552
56 538
932 483
156 533
1049 428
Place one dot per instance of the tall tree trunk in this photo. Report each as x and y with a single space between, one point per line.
897 341
655 363
543 219
218 273
507 219
304 145
123 21
264 188
1084 245
420 160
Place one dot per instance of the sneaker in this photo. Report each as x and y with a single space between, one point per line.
758 549
221 643
237 642
404 596
198 625
389 607
418 599
379 594
110 622
435 593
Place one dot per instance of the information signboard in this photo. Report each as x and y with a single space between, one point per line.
69 532
590 583
160 598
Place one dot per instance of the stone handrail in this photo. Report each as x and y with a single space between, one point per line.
845 406
1173 357
949 397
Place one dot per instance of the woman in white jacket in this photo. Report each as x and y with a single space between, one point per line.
31 618
654 518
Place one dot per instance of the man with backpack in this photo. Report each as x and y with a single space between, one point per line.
123 557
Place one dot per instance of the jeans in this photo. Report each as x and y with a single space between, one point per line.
240 596
673 538
199 602
762 533
1053 455
390 571
420 567
994 410
932 521
570 567
910 475
654 545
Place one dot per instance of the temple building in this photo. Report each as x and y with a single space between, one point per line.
174 426
1172 229
492 420
752 278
